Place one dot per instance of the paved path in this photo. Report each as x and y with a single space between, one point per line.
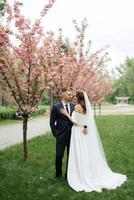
12 134
116 110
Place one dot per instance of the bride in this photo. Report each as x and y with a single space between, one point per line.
88 169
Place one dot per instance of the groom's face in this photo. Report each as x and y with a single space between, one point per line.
68 96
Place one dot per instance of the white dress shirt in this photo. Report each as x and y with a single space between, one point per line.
68 104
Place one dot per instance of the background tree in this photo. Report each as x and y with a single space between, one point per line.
2 7
128 76
124 84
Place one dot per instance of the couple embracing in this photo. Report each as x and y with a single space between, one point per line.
75 129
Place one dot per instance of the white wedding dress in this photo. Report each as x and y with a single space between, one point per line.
87 166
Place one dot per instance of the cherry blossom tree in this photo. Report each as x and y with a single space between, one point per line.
24 64
65 61
77 67
69 59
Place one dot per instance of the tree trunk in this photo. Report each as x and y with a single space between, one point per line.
51 99
25 120
95 110
99 109
0 94
0 97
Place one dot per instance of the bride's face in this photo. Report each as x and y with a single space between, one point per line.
75 99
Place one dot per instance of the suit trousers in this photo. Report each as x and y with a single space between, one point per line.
61 145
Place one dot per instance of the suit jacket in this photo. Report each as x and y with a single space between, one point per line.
59 123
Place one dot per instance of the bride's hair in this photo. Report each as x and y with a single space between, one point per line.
81 99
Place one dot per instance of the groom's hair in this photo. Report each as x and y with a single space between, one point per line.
65 90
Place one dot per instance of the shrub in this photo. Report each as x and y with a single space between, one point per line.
10 113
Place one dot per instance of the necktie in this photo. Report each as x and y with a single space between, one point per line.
67 108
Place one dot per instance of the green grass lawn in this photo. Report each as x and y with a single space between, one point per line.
34 179
16 121
9 122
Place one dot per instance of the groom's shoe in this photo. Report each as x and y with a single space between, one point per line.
58 176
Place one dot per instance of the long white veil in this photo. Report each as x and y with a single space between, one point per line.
97 155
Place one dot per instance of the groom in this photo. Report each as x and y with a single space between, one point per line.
61 129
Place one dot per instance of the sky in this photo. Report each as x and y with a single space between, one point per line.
110 23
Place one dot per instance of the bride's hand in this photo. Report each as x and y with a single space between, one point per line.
75 123
85 131
64 112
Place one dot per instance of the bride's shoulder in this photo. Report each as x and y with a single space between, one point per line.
78 108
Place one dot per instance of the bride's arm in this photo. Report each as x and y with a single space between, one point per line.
79 109
64 112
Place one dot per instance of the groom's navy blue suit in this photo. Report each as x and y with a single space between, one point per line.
61 129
